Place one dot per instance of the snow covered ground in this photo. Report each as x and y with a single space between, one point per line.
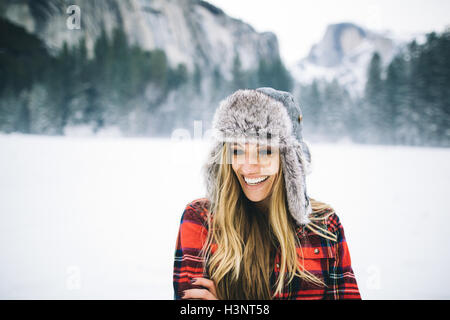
91 218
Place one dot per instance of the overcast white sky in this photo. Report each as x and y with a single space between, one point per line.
299 23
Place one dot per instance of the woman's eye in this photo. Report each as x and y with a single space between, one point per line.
265 152
237 152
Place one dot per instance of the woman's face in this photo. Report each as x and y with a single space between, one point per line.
256 167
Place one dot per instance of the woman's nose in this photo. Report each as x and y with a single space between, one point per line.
252 158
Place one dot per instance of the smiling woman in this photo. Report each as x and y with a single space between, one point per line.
255 168
257 234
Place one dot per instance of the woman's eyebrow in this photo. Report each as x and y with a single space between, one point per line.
258 146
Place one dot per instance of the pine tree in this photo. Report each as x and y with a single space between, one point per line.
395 91
239 80
443 81
283 80
374 84
274 74
197 78
158 67
373 97
312 106
43 114
179 76
264 79
333 111
218 80
9 110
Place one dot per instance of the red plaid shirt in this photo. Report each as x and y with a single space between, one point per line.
326 259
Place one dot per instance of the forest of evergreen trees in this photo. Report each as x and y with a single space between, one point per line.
267 74
41 93
406 103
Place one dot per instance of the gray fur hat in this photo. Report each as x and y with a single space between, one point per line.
263 115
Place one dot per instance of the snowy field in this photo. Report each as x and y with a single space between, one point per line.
91 218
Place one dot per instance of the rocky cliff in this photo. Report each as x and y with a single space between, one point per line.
344 53
191 32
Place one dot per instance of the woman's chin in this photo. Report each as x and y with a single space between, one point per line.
255 198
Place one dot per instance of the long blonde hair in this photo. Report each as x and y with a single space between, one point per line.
245 242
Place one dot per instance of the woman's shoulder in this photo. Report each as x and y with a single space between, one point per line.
325 214
197 210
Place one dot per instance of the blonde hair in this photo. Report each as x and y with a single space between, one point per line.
245 241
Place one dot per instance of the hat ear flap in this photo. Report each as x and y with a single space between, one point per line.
304 156
298 201
211 171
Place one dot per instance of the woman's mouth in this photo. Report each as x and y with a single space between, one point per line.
255 181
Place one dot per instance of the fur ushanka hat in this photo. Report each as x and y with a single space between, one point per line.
267 116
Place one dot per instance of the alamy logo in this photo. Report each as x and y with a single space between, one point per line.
73 279
74 20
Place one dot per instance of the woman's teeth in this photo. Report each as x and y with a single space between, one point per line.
255 181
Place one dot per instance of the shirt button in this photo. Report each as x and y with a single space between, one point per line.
278 265
316 251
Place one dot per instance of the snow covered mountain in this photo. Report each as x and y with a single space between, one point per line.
192 32
344 53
